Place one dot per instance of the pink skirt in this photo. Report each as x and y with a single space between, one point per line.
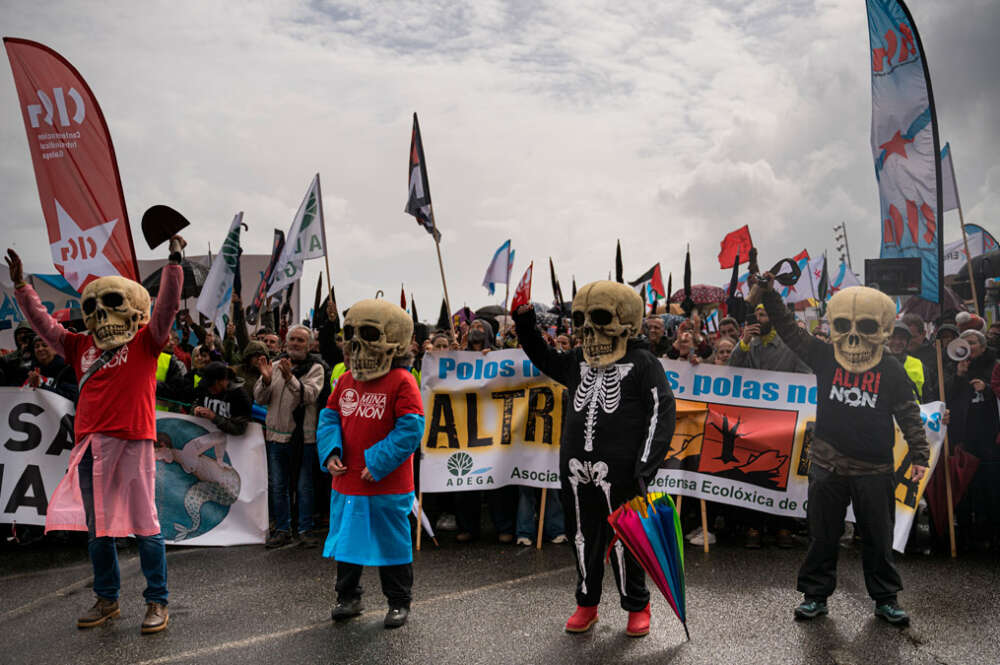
124 489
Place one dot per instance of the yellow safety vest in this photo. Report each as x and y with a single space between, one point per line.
163 366
915 370
338 371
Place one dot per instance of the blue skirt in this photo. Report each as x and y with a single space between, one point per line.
370 530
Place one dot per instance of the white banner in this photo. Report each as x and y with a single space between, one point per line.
491 420
200 501
742 436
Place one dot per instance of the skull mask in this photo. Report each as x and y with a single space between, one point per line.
860 322
113 310
375 333
606 315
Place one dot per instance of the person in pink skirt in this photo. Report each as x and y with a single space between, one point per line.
109 489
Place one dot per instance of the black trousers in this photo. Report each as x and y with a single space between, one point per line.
875 510
593 537
397 582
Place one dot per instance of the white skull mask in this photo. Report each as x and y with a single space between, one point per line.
375 333
114 308
860 322
606 315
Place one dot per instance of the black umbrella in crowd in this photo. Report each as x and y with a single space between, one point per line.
194 278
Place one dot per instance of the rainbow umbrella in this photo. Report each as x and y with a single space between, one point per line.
650 528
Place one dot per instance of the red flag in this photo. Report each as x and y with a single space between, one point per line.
402 297
735 245
522 296
75 166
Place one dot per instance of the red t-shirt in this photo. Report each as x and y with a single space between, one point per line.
119 400
368 412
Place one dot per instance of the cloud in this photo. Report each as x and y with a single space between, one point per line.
561 125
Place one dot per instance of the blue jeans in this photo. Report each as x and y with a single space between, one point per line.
104 554
284 470
527 526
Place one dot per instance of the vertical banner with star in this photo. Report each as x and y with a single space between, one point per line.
905 142
75 166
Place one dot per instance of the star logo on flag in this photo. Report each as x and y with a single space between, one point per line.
80 253
895 145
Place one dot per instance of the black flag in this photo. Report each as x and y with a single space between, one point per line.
735 305
574 287
670 290
317 299
824 285
687 304
619 270
418 203
413 310
444 318
556 289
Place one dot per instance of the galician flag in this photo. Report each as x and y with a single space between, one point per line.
217 292
305 240
498 272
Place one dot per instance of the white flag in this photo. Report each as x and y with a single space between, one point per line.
217 292
808 283
305 240
949 188
844 278
498 272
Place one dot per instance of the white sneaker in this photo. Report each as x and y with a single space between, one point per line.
694 534
446 523
524 541
698 540
560 539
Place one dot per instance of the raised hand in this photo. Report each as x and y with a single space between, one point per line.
15 266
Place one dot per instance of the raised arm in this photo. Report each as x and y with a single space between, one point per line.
798 340
554 364
39 318
168 300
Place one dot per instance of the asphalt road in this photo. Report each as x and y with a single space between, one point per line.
486 603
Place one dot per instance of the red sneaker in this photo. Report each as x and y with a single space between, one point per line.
638 623
583 619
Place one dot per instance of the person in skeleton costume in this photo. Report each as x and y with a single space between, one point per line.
367 434
859 389
109 490
616 432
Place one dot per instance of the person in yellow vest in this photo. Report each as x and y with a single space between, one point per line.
897 345
170 375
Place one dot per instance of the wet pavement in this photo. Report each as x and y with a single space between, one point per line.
487 603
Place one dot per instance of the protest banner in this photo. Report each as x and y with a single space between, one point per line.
199 500
742 438
491 421
742 435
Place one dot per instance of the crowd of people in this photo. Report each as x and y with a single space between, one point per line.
281 374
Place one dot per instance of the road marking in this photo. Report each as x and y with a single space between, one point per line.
204 652
124 566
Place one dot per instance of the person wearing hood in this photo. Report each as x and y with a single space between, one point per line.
220 397
975 422
247 370
50 372
761 348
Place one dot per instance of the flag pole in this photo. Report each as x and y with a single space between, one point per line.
444 283
326 245
506 290
541 519
947 457
965 238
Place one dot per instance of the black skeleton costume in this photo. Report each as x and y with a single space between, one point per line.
616 430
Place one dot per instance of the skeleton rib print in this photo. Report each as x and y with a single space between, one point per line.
599 387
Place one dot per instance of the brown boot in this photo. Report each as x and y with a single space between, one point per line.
102 610
156 618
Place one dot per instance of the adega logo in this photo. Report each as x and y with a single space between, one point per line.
460 466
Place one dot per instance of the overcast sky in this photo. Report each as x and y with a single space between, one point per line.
560 125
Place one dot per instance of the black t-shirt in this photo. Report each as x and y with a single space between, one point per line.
854 412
